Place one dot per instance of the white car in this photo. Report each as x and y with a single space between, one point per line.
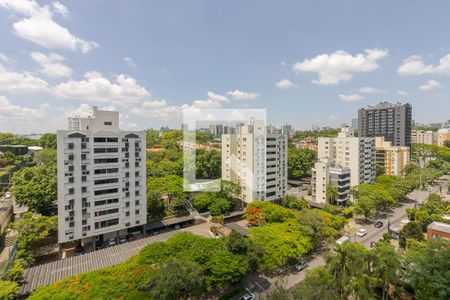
8 195
361 232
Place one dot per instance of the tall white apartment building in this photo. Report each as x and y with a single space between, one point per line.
347 151
342 161
257 160
101 178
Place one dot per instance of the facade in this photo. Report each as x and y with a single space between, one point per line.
286 130
423 137
257 160
391 121
324 174
443 135
101 178
438 230
216 129
347 151
344 161
392 158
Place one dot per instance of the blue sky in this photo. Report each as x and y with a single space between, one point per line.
307 62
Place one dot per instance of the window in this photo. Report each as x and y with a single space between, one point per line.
106 223
106 212
105 160
107 201
137 212
106 181
70 145
105 192
108 123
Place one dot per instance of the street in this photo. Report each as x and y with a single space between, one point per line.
260 285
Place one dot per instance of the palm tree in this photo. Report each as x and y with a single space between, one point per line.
332 193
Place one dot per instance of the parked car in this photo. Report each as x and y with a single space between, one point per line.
247 295
342 239
301 265
8 195
378 224
122 239
361 232
112 242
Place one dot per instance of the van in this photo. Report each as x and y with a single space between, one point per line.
342 239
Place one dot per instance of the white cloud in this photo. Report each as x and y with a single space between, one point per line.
213 101
430 85
402 93
340 65
284 84
8 110
51 64
240 95
20 82
129 62
414 65
60 9
369 90
4 58
159 109
124 91
38 26
350 97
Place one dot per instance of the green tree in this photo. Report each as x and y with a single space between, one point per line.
35 187
273 212
186 282
385 264
347 264
411 230
15 272
7 158
225 268
278 292
8 290
155 205
364 206
314 226
293 202
48 141
45 156
153 138
319 283
32 228
230 190
300 162
219 206
280 242
170 186
332 193
427 269
208 164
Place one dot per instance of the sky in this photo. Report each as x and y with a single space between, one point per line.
309 63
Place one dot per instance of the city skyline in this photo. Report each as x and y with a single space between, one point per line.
154 61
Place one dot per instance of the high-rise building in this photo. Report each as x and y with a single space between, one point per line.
256 160
347 151
216 129
101 178
392 159
286 129
391 121
343 161
423 137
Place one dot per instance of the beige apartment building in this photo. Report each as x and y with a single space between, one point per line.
392 158
443 135
257 160
423 137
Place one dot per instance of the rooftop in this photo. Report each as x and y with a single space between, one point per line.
439 226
